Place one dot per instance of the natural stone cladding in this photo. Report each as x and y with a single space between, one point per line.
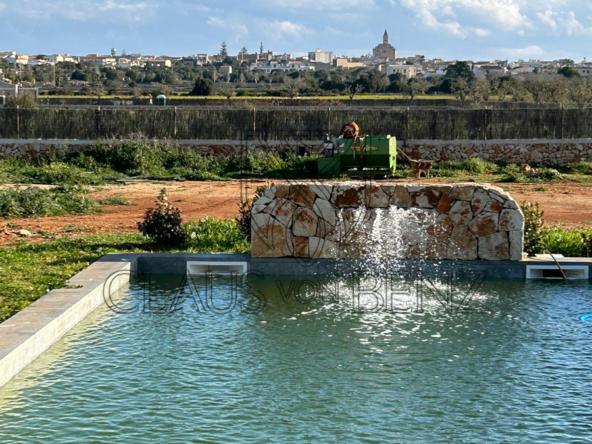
536 152
471 221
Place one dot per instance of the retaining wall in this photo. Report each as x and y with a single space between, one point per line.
543 152
461 221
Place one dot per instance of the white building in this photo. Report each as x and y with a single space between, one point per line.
283 65
407 71
319 56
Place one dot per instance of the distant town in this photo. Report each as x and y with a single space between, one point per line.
265 73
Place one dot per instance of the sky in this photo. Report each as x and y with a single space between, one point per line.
450 29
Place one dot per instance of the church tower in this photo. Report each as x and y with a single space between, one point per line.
385 38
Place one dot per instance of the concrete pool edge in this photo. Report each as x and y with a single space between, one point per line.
29 333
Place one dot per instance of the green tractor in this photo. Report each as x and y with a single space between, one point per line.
358 156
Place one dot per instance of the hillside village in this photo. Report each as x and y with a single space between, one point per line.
264 73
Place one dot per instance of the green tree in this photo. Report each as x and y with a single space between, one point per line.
460 70
227 91
223 51
203 87
461 88
415 87
568 72
22 101
113 52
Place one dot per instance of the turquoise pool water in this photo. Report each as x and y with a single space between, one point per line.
316 372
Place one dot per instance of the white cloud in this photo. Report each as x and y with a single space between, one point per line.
288 28
237 29
563 22
84 9
319 5
523 53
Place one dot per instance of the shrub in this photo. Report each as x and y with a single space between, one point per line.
580 167
203 87
114 200
35 202
163 223
22 101
533 228
210 235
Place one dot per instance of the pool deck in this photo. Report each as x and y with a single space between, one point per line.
31 332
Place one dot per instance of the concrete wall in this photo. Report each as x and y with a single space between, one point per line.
543 152
461 221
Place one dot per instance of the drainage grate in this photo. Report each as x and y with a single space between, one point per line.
213 267
552 272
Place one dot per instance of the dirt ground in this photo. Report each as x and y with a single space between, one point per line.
565 204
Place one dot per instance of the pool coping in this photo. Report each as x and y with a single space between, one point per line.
29 333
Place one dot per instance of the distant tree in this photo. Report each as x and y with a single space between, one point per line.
566 62
568 72
580 92
99 91
22 101
113 52
203 87
80 75
461 88
165 90
479 91
292 87
556 90
227 91
415 87
353 89
460 70
223 51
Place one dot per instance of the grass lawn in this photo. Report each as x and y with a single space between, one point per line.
30 270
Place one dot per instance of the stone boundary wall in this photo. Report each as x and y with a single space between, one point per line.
542 152
467 221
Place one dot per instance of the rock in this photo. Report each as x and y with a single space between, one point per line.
376 198
325 210
516 239
493 206
271 240
302 195
304 222
511 220
462 244
24 233
281 190
445 204
347 196
425 198
401 198
480 199
484 224
494 247
442 229
300 246
322 248
258 208
263 200
512 205
282 210
462 192
322 191
431 249
461 213
258 220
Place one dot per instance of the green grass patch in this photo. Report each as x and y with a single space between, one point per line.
35 202
56 260
115 200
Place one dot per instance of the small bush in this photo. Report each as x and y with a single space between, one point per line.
163 223
570 243
210 235
22 101
35 202
114 200
580 167
533 228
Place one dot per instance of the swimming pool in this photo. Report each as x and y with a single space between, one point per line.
514 368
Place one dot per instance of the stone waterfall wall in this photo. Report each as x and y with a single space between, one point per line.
471 221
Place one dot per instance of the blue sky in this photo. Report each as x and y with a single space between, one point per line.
452 29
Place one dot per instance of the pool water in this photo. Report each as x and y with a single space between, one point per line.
313 371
